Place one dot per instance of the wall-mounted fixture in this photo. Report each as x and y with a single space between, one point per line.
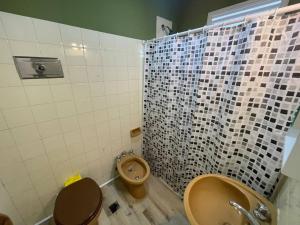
38 67
135 132
161 26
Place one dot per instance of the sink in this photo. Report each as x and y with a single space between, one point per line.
206 201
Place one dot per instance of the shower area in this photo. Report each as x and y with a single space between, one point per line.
220 99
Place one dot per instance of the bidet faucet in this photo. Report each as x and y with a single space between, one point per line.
252 220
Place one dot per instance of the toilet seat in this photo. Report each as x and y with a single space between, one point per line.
78 203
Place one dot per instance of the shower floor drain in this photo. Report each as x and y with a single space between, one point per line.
114 207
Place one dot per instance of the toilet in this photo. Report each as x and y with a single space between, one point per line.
5 220
78 204
134 171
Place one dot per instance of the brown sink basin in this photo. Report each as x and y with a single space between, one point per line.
206 201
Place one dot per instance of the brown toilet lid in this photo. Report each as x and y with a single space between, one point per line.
78 203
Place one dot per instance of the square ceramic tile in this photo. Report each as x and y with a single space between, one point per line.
81 91
92 155
49 128
90 138
124 110
46 185
107 41
72 138
25 134
74 56
70 35
47 32
58 156
2 31
6 139
5 54
113 113
3 124
61 92
44 112
120 59
9 76
133 85
18 117
9 156
133 59
38 94
101 116
86 119
122 73
92 57
51 50
65 109
78 162
62 171
69 124
97 89
111 87
133 73
12 97
124 99
103 133
31 149
83 105
99 103
95 74
54 143
109 57
123 86
38 167
112 100
13 172
22 48
15 189
78 74
18 27
34 82
110 73
90 38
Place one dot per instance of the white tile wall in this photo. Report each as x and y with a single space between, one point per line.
288 203
53 128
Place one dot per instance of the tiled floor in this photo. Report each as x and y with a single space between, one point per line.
160 207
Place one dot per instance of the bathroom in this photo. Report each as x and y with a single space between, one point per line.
158 112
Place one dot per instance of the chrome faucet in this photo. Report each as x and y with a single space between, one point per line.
252 220
262 212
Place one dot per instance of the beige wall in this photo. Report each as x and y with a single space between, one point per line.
53 128
288 203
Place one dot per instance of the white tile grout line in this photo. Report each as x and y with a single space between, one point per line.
101 186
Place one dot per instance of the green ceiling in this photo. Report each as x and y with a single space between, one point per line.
131 18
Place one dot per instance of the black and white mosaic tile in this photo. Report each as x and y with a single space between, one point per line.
221 101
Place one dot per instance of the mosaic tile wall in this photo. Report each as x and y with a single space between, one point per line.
221 101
